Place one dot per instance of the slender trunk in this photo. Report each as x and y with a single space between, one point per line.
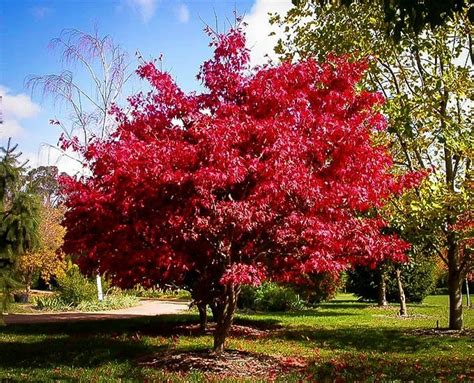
454 285
401 293
28 283
455 301
202 308
468 296
382 297
225 317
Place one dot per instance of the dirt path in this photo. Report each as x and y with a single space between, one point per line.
145 308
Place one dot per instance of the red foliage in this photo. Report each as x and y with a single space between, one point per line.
270 173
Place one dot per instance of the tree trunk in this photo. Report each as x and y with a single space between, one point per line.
468 296
202 308
455 280
28 283
455 300
382 298
401 293
225 317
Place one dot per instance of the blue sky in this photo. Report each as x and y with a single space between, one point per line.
153 27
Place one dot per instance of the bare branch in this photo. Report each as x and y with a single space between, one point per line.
106 66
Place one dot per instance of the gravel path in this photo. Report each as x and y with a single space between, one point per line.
145 308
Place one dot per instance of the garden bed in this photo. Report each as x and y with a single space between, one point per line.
231 363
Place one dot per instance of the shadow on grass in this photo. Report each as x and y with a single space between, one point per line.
314 313
158 325
94 343
86 344
73 351
365 339
344 306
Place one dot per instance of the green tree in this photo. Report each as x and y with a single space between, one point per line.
19 217
427 79
43 180
414 15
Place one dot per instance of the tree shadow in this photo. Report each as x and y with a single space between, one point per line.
157 325
73 351
344 301
364 339
344 306
315 313
87 344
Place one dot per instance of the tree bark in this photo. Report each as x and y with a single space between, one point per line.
202 308
401 293
382 297
225 317
455 280
455 300
468 296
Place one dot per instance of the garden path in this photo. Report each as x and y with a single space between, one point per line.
149 307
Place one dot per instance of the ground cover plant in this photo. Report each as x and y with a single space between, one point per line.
75 292
112 301
169 293
343 339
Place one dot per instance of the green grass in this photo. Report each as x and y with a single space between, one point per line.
343 340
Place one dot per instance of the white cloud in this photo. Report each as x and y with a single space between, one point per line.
258 29
11 128
40 12
47 155
145 8
182 13
14 109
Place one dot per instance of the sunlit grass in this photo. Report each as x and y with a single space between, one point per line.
343 338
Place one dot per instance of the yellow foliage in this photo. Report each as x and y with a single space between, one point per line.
48 261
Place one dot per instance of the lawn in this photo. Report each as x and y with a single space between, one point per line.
343 339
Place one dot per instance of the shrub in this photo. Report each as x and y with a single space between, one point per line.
110 302
419 279
441 291
320 287
74 288
270 297
159 293
247 297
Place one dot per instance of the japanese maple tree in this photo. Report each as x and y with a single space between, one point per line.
270 173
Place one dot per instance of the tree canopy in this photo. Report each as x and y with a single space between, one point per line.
19 218
427 79
402 16
271 173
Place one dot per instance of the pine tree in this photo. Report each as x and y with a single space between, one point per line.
19 217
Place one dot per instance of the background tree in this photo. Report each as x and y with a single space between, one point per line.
104 65
46 261
19 218
413 15
419 278
44 181
270 173
428 80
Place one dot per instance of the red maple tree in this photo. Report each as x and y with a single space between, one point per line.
270 173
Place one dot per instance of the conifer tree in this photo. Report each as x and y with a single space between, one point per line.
19 217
